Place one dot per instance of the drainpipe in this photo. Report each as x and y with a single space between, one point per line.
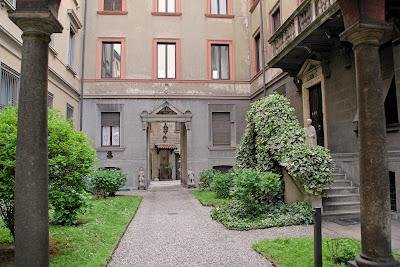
83 66
262 45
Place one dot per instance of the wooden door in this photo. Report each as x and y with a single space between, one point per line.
316 112
165 173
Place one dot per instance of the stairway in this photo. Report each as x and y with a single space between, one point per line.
342 199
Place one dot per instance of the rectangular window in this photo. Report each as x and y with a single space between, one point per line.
111 60
70 112
391 109
221 128
110 129
393 198
50 100
166 60
219 7
112 5
71 48
220 69
167 6
9 86
258 52
276 19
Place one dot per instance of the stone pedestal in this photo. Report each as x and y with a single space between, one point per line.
374 182
31 189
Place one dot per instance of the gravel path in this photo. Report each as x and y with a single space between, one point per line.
171 228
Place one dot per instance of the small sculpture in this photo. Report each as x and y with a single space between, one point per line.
310 133
142 184
191 182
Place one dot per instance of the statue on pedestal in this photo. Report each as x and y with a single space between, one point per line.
191 181
310 133
142 184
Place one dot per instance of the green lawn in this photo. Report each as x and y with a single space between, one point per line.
299 252
209 198
92 242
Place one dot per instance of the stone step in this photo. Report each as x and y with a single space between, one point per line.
340 214
339 176
342 198
338 190
341 206
341 183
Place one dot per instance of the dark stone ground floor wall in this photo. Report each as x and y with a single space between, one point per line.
131 155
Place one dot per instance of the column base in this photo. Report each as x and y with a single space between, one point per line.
362 261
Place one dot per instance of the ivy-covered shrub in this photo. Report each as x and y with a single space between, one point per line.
206 178
233 216
222 184
272 136
105 182
71 157
256 190
311 166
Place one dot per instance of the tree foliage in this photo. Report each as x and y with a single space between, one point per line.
71 158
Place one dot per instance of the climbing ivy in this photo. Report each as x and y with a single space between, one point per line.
274 139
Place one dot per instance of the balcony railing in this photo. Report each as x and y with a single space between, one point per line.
308 12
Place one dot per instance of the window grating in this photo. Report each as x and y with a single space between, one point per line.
9 86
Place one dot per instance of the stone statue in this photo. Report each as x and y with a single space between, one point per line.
310 133
191 182
142 184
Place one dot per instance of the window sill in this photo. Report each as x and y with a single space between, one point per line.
395 127
168 14
71 70
53 51
111 148
221 148
8 4
216 16
254 5
115 13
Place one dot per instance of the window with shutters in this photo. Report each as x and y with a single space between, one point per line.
393 193
166 60
166 6
221 128
50 100
9 86
70 112
71 47
110 129
111 60
257 53
112 5
219 7
391 108
275 18
220 61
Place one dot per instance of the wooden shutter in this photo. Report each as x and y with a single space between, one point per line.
110 119
221 128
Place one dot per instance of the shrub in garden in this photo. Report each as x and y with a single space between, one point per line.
222 184
71 157
274 138
341 251
311 166
206 178
256 190
105 182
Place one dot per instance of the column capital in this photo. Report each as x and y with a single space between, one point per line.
36 22
364 33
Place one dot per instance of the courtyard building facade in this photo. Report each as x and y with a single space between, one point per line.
164 85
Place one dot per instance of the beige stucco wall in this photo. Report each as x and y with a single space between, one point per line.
63 83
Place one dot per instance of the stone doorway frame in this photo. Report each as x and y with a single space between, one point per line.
174 115
312 73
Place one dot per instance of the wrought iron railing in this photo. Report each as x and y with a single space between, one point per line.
308 12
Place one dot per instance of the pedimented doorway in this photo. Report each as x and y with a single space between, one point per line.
166 134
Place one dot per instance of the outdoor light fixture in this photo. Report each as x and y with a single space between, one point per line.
165 128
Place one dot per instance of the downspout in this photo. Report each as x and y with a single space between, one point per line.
83 65
263 46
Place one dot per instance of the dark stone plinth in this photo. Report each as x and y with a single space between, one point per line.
31 188
374 183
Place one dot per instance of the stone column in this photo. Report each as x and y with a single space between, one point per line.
374 182
31 189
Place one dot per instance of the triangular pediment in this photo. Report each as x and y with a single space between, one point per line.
309 65
166 109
